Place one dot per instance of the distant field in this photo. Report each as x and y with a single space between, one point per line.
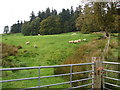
52 50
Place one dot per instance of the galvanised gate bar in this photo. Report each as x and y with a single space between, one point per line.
106 77
40 77
96 75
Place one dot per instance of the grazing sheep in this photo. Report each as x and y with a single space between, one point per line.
79 40
76 41
38 34
74 34
27 43
84 39
70 41
35 46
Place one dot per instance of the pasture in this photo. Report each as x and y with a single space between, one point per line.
51 50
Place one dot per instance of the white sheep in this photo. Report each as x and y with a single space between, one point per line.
84 39
35 46
76 41
38 34
27 43
74 34
79 40
70 41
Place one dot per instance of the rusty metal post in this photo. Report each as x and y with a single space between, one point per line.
97 68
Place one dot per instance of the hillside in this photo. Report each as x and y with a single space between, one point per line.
51 50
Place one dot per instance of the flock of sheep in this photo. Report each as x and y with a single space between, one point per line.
73 41
76 41
35 46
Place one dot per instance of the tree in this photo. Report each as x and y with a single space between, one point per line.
26 29
98 17
117 24
32 17
43 15
50 25
35 26
74 15
47 13
16 28
39 14
6 29
64 19
105 14
65 15
54 12
71 11
85 22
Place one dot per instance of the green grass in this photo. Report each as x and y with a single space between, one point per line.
52 50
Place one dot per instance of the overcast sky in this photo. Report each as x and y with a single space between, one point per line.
13 10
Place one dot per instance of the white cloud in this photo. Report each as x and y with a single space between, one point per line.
13 10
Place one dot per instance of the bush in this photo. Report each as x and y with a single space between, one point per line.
8 50
8 58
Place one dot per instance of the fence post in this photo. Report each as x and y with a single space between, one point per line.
39 78
97 67
70 76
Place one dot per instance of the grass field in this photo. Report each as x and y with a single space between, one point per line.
52 50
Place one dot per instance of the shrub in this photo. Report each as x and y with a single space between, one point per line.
8 50
8 55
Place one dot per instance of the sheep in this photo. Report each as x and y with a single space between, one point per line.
76 41
70 41
84 39
74 34
27 43
38 34
79 40
35 46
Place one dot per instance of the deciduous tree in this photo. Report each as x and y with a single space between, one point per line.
50 25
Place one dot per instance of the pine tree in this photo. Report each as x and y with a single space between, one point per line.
6 29
47 13
32 17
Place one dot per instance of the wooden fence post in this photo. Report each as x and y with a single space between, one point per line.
97 68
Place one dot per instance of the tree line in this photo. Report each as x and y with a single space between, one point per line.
94 17
51 22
